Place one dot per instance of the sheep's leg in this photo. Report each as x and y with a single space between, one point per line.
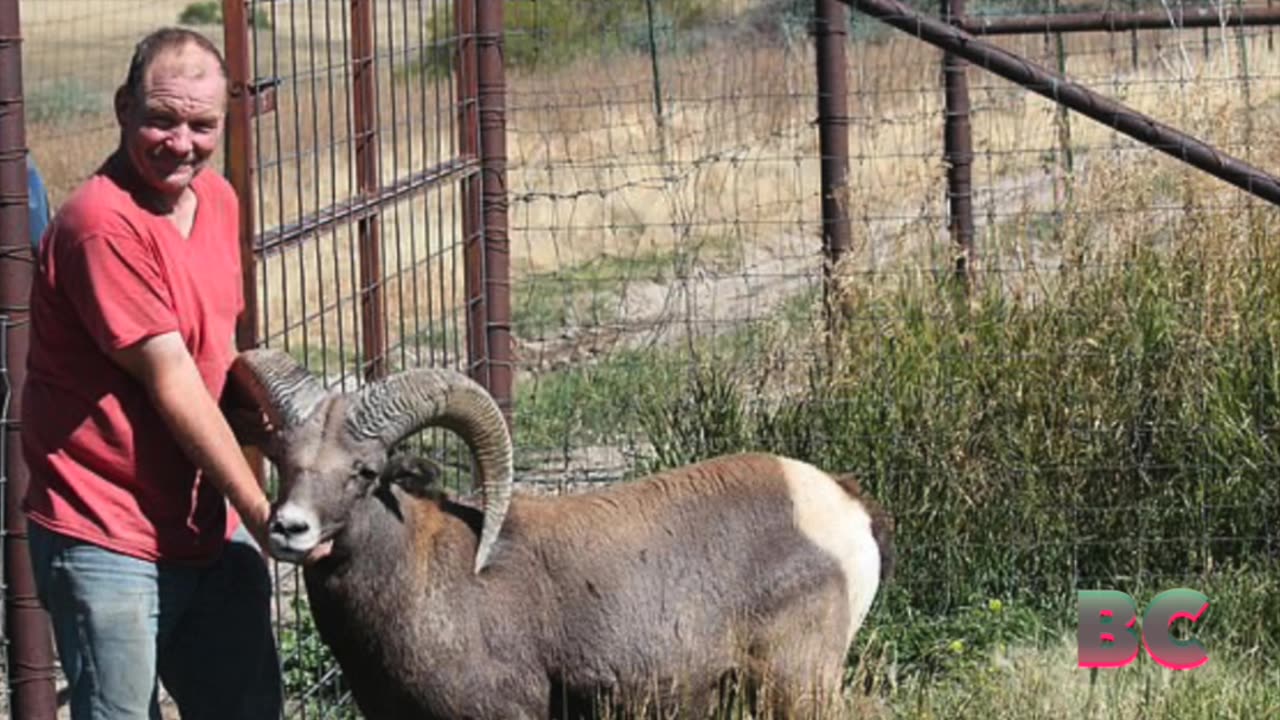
787 691
798 679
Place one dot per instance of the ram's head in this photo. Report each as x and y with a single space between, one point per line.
331 448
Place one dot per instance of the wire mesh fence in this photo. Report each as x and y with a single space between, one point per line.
664 193
1092 407
365 197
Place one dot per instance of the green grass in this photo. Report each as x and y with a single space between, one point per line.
591 404
1043 681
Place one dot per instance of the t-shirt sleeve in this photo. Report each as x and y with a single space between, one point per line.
118 288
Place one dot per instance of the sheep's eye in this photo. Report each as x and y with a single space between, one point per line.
367 473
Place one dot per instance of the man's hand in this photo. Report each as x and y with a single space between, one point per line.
257 522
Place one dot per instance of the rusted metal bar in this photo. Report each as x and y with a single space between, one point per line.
1168 140
466 65
957 140
26 627
365 127
239 157
360 208
1174 19
496 364
830 34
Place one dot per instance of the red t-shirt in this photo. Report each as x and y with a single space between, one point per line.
104 467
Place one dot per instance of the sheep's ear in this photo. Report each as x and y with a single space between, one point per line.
393 408
417 475
277 385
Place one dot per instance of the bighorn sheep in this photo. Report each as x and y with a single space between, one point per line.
752 567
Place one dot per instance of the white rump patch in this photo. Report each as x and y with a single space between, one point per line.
841 526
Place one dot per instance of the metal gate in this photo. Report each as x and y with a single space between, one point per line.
366 143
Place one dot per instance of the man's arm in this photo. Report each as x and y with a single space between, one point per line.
166 369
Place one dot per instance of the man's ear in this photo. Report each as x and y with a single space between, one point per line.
123 104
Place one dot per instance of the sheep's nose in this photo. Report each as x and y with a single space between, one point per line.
289 527
289 524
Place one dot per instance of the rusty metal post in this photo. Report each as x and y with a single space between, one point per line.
830 32
465 64
957 141
482 134
1136 125
242 105
26 627
364 73
493 362
239 158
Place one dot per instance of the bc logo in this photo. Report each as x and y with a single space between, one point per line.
1107 637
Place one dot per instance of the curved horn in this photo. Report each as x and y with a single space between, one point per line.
285 390
392 409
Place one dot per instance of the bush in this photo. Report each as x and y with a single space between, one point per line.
210 13
553 32
201 13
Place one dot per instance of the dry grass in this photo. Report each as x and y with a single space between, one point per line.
1045 682
590 173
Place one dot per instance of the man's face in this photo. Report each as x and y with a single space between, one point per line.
173 124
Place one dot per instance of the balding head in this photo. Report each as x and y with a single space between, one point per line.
164 42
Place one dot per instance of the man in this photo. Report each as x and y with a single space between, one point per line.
144 568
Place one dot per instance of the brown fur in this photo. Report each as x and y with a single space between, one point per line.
652 593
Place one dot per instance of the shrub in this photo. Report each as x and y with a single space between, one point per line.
201 13
553 32
210 13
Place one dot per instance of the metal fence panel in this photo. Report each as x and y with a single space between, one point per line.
372 236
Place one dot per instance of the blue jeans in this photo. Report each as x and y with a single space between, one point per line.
120 622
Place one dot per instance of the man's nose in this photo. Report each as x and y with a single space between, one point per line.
178 141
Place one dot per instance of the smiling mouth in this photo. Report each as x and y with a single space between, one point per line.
173 163
169 168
